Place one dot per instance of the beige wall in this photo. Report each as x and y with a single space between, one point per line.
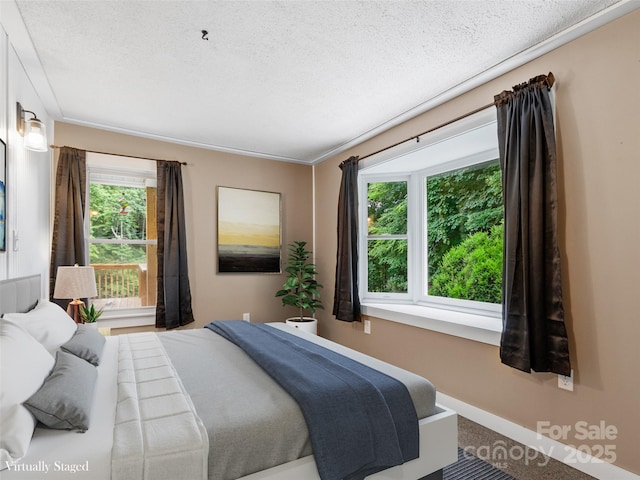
217 296
598 130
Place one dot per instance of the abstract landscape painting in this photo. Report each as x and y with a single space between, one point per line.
249 231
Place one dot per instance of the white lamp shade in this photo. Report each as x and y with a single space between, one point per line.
35 137
75 282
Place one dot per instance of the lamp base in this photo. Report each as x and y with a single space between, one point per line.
73 309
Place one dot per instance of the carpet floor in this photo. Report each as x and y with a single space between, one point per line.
520 462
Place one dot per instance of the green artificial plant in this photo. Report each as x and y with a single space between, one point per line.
91 314
301 288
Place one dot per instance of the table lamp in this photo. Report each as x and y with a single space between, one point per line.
76 283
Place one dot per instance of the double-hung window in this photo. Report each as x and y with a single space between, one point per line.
120 231
431 224
387 236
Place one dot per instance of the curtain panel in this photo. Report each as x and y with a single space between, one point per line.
534 334
68 246
173 304
346 303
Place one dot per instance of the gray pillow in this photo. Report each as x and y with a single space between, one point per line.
64 401
86 343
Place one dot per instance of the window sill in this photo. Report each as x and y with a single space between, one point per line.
128 317
480 328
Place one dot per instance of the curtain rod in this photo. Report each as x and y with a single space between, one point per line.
118 154
417 137
549 80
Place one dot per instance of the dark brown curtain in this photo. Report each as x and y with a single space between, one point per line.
68 245
346 304
534 335
173 305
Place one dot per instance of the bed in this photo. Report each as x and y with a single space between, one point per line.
151 416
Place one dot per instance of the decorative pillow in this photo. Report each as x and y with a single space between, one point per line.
65 399
48 323
86 343
24 364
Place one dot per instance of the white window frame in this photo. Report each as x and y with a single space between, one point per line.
445 302
364 238
478 321
114 166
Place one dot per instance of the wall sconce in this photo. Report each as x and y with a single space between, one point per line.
33 130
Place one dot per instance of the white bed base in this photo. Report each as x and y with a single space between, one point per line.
438 448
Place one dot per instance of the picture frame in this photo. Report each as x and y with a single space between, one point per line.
249 231
3 196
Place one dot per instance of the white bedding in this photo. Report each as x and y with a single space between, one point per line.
157 434
53 454
62 454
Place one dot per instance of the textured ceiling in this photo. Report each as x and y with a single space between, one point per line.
295 80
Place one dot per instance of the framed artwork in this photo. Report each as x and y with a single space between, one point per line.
249 231
3 196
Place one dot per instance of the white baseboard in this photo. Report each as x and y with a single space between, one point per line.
559 451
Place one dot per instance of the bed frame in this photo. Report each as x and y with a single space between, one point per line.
19 295
438 448
438 432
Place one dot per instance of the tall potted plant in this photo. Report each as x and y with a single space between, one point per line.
301 288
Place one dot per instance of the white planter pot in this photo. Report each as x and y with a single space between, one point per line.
310 325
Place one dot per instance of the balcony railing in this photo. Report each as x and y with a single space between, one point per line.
123 285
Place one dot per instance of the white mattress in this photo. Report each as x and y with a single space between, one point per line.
53 453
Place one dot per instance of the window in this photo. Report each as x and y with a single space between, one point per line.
431 221
464 233
121 232
387 239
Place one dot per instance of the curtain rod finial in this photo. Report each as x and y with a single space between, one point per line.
551 79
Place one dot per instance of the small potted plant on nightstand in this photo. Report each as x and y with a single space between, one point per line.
301 288
90 315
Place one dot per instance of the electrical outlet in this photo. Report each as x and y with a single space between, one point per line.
246 317
367 326
566 382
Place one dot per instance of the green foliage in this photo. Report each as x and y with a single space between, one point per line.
460 203
473 269
387 208
387 214
301 290
117 254
107 222
387 266
91 314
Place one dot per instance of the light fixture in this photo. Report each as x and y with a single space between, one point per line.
76 283
33 130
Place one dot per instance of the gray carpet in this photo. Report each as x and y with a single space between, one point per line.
469 467
532 466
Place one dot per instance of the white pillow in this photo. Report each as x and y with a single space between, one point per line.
24 365
48 323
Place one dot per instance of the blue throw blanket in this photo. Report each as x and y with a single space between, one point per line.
360 420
